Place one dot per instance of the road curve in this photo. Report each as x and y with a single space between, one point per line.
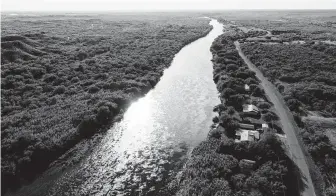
295 146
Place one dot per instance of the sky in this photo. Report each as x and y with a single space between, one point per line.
159 5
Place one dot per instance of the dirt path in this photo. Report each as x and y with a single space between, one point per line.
295 146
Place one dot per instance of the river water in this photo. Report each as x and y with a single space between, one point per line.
138 154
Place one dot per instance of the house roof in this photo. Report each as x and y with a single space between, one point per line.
246 126
247 135
264 125
250 108
256 134
244 136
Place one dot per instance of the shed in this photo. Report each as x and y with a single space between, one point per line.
246 126
247 88
264 127
248 108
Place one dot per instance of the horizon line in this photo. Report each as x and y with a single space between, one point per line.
169 10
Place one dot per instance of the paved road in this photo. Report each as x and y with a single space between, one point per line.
291 130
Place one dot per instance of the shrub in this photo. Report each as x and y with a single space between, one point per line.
293 104
231 110
258 92
75 80
51 101
281 88
231 67
59 90
215 133
264 105
250 81
219 108
269 116
298 119
229 124
215 119
93 89
49 77
88 127
227 92
82 55
37 72
236 101
103 114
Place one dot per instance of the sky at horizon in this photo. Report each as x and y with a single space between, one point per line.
160 5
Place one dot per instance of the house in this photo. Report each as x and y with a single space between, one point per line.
246 126
247 135
250 109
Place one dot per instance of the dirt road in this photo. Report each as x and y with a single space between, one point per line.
295 146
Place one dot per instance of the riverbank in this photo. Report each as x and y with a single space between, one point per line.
69 81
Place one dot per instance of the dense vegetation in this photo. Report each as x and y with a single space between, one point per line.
308 75
305 73
219 165
64 78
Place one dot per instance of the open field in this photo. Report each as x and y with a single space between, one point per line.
64 78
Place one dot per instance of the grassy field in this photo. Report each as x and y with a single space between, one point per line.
66 77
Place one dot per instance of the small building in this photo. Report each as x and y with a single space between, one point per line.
247 135
247 88
246 126
250 109
264 127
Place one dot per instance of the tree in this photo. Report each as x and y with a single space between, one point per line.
231 67
238 181
227 92
293 104
264 105
229 125
236 101
269 116
93 89
103 114
258 92
59 90
88 127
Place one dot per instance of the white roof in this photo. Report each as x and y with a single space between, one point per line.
264 125
244 136
250 108
256 134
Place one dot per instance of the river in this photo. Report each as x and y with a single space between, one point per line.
158 131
